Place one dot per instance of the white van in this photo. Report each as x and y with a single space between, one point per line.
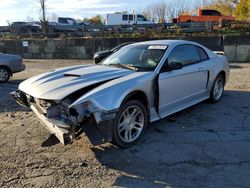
126 19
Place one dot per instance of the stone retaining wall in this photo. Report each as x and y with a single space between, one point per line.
236 48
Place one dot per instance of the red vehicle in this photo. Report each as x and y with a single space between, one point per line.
203 15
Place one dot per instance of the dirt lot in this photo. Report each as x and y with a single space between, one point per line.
203 146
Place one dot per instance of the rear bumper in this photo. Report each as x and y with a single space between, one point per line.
23 67
18 69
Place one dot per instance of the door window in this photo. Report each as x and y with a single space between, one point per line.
131 17
185 54
70 22
62 20
141 18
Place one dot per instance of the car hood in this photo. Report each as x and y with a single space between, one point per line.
60 83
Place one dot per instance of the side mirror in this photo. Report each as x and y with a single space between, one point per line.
99 56
172 66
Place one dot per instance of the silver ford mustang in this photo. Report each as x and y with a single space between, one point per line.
115 100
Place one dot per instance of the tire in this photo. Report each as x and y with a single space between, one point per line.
217 89
4 74
129 128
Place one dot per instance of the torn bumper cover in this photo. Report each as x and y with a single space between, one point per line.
99 132
65 136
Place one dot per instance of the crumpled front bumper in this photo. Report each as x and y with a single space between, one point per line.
97 133
64 135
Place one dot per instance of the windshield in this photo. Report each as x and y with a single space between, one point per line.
137 57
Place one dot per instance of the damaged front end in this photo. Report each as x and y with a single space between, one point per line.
66 122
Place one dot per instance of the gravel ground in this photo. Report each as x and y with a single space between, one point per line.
203 146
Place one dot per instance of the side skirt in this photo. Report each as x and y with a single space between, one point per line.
172 111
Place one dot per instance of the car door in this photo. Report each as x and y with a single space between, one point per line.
181 88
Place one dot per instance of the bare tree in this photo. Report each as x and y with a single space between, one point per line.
156 12
9 22
42 4
173 9
161 10
183 7
43 12
167 10
177 7
147 13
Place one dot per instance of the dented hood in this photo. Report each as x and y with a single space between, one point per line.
60 83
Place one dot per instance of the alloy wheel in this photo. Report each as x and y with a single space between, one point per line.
218 88
4 75
131 124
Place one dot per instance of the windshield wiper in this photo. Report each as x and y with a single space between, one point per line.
131 67
126 66
141 68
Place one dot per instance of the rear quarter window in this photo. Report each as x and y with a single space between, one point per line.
202 53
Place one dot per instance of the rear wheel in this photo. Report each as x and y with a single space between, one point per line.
130 124
217 89
4 74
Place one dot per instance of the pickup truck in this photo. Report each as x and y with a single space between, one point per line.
65 24
203 15
25 27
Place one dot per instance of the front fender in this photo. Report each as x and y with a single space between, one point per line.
109 96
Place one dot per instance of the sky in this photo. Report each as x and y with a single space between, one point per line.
23 10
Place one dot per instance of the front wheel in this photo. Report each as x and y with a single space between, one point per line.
217 89
130 124
4 74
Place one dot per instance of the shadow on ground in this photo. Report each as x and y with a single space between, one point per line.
235 67
7 103
204 145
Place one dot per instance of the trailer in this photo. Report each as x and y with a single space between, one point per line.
126 19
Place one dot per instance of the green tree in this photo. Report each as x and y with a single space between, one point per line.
242 10
96 20
225 7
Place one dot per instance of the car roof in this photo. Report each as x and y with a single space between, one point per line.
172 43
167 42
